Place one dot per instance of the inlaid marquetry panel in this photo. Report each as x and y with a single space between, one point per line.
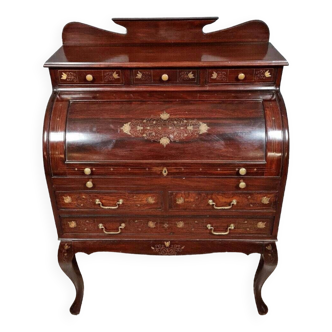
173 131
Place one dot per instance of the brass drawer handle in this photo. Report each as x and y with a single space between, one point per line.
119 202
122 226
210 227
233 202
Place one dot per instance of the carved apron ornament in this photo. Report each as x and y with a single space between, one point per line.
165 130
167 249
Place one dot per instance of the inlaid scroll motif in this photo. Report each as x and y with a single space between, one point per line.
165 130
69 76
110 76
186 76
219 76
143 75
263 74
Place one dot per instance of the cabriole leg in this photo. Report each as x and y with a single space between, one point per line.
68 264
267 264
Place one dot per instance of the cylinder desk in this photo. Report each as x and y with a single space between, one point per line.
166 140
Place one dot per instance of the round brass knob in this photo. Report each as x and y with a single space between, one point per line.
87 171
89 77
242 184
241 76
89 184
164 77
242 171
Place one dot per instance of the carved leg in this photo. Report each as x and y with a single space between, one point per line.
267 264
68 264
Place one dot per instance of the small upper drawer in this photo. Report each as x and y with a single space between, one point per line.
165 76
114 76
111 201
240 75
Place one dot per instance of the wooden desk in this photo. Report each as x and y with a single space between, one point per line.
166 141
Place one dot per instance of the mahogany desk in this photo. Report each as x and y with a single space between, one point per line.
166 141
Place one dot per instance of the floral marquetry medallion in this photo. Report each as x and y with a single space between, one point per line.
164 129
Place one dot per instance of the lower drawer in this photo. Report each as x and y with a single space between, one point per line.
165 227
221 201
109 201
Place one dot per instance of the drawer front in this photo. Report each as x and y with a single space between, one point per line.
165 76
240 75
111 202
165 227
223 202
168 182
114 76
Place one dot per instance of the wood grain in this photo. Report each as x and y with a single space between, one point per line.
163 31
165 148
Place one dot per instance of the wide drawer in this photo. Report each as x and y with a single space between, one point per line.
221 201
165 227
166 182
110 201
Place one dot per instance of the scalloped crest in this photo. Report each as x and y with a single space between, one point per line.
164 30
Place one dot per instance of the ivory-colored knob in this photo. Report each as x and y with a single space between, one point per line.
241 76
242 171
242 184
87 171
89 77
89 184
164 77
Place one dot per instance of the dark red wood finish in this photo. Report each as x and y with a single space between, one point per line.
146 136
